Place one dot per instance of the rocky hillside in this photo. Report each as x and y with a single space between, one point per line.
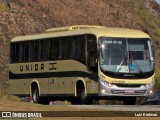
23 17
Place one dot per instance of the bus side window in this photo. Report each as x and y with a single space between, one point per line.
65 47
78 48
17 52
43 50
12 52
31 50
34 50
54 48
24 57
46 50
15 49
68 48
74 47
21 57
91 53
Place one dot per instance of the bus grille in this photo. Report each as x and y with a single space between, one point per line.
136 92
129 86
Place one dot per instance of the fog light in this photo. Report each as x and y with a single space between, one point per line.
103 90
151 91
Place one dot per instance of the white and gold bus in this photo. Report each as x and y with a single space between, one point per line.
82 63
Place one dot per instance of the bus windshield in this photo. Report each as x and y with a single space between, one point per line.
126 55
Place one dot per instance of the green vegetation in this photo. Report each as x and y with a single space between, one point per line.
3 8
146 19
157 79
151 25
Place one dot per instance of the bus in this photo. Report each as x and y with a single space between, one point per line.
82 63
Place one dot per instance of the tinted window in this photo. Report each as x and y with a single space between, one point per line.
43 50
31 51
49 49
65 49
78 47
15 52
91 53
36 50
54 49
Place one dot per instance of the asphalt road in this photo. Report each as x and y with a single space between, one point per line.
107 111
119 107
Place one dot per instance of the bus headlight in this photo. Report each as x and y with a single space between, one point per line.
151 91
103 90
149 85
105 83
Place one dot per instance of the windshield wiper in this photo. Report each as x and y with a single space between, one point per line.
138 67
120 65
131 58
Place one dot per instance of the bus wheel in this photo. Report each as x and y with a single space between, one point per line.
37 99
129 101
35 95
82 98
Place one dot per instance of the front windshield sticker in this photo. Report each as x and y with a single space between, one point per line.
132 66
112 42
123 69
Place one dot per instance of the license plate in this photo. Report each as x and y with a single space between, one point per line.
129 91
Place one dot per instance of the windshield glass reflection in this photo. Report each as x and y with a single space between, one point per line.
121 55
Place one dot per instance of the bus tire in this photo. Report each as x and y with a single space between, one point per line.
37 99
82 98
129 101
35 95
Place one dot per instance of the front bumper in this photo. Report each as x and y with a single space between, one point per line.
117 91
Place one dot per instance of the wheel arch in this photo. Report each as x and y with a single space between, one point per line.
34 83
78 82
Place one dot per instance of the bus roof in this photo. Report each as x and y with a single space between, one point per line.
75 27
84 29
